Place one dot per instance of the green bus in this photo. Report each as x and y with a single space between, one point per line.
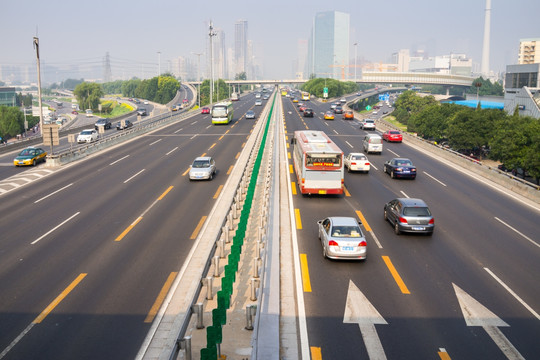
222 113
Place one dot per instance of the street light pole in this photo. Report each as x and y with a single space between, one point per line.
355 57
159 63
211 33
199 75
36 46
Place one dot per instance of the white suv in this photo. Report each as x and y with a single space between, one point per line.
87 136
367 124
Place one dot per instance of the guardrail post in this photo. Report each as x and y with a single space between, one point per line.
251 310
198 309
253 289
209 290
255 268
226 234
185 344
221 248
216 266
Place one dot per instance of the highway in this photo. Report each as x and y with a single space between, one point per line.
402 301
88 250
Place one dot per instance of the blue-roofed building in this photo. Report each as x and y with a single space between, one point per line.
483 104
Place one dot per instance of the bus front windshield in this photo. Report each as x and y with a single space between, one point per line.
219 111
326 160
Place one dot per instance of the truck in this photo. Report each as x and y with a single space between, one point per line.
235 96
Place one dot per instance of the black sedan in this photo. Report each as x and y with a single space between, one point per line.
124 124
400 168
308 112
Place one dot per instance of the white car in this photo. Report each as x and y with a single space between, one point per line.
343 100
258 102
87 136
367 124
357 162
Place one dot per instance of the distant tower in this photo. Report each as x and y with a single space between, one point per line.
107 68
485 50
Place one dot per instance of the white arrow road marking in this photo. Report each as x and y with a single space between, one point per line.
476 314
358 310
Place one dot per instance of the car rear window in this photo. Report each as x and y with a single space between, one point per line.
346 231
416 211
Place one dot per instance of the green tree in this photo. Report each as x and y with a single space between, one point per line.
167 89
487 88
129 87
11 121
88 95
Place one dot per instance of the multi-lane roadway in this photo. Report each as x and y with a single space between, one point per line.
409 299
89 251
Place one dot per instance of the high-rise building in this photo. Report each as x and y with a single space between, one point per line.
300 67
328 48
240 46
529 51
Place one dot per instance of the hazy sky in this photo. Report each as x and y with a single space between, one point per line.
133 32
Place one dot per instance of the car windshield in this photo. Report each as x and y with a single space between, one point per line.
27 152
199 164
346 231
219 111
416 211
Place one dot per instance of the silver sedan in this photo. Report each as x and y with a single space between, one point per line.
342 238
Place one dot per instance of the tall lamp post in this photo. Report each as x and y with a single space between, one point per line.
199 74
36 46
212 33
355 57
159 63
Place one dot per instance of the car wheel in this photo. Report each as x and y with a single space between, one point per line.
348 169
324 252
392 175
385 215
396 228
34 162
211 176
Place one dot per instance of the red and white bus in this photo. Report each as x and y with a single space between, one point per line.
318 163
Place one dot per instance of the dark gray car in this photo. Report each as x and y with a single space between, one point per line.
409 215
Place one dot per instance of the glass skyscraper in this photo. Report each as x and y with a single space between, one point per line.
328 49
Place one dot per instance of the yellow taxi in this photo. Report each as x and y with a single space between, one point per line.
30 156
328 115
295 100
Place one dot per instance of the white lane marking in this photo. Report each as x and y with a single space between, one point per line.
177 131
404 194
373 166
376 240
176 148
517 231
51 194
335 132
193 137
209 126
349 144
17 339
114 162
193 123
440 182
56 227
158 140
393 152
134 176
513 293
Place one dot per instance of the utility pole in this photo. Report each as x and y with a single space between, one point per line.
355 57
212 33
36 46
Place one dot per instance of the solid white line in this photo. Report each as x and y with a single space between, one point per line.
513 293
56 227
349 144
404 194
393 152
517 231
134 176
376 240
154 142
17 339
114 162
46 196
440 182
176 148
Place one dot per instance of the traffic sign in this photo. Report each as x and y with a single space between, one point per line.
50 134
325 92
368 108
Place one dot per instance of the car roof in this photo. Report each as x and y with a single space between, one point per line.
343 221
357 154
412 202
398 158
203 158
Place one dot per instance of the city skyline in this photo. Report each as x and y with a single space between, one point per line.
276 28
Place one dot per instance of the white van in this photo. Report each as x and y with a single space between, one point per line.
372 143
